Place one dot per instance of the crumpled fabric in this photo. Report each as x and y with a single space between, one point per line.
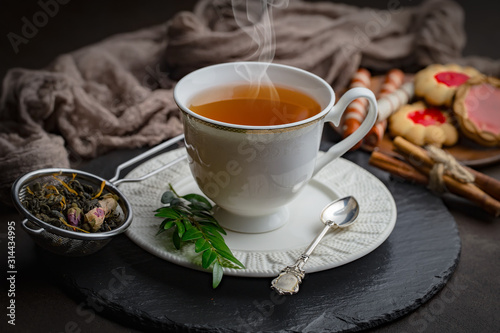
118 93
329 39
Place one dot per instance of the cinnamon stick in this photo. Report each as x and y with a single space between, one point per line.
397 167
468 191
419 173
413 152
417 154
488 184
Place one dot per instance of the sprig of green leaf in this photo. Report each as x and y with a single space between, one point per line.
192 220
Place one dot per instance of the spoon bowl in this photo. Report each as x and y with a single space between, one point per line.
341 213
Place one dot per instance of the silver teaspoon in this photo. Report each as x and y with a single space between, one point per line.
338 214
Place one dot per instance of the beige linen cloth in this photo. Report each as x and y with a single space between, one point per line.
118 93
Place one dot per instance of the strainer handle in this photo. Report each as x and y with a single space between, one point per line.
30 230
152 173
142 156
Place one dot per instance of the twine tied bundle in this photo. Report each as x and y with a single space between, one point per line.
445 164
435 168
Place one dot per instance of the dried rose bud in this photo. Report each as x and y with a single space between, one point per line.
108 203
74 216
95 218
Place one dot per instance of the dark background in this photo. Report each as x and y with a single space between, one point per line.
82 22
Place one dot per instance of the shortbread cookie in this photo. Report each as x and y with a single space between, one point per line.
477 109
437 84
423 125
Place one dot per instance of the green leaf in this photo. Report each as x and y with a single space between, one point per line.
184 212
203 214
167 224
198 207
167 197
217 274
228 264
192 234
198 200
207 258
222 249
211 220
226 253
192 220
216 240
201 245
176 202
168 212
229 256
187 224
212 228
176 240
180 228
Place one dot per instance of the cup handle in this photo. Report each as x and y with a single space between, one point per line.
334 117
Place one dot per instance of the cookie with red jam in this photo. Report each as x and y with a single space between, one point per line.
422 125
477 110
437 84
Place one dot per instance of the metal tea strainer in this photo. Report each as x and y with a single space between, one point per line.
72 243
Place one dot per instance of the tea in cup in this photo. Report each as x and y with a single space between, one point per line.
252 133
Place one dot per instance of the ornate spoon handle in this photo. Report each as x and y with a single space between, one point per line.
340 213
287 282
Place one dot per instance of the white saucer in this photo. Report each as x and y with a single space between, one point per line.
265 254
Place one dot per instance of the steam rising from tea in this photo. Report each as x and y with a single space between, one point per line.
255 18
258 102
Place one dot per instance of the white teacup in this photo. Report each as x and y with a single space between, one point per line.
253 172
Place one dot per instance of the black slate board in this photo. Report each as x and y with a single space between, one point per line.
135 288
